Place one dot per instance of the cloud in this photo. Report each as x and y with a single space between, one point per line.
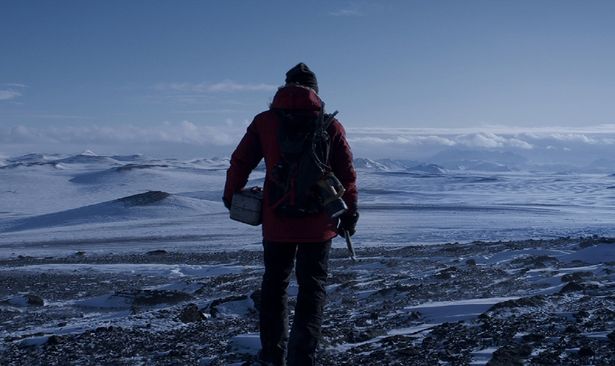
485 140
491 140
184 132
193 139
15 85
346 12
400 140
574 137
227 86
9 94
10 91
352 9
228 132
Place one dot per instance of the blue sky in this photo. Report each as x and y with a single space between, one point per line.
197 71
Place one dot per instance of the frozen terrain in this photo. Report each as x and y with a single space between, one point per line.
52 204
131 260
538 301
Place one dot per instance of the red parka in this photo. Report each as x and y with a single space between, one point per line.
261 141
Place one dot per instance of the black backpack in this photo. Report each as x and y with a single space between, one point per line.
304 146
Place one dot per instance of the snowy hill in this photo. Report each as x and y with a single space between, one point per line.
427 169
87 157
113 174
148 205
386 165
363 163
480 160
32 158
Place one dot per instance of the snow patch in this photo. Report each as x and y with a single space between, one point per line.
248 343
600 253
107 302
456 310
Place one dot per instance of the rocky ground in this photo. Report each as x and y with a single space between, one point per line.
502 303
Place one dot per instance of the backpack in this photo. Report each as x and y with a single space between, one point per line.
304 146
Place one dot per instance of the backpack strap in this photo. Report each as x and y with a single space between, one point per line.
321 141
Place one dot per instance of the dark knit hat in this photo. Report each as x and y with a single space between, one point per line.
302 75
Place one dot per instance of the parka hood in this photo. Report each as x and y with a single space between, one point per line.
296 97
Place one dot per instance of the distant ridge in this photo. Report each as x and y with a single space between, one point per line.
398 166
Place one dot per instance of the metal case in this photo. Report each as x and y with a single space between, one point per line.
247 206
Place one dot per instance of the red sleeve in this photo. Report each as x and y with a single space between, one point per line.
245 158
342 165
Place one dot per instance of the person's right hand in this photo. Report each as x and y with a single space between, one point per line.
227 203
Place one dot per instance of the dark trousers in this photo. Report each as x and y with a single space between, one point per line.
311 270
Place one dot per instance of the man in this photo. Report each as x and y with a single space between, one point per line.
295 225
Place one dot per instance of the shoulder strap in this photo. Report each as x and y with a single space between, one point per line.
321 141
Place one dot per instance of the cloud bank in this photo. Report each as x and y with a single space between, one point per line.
184 132
189 138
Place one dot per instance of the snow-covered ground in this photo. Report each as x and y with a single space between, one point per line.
131 260
533 301
54 203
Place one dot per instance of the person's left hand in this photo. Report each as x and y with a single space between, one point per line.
348 223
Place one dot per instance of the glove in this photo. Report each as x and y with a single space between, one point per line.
348 222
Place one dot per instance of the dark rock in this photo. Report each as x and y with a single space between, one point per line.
190 314
447 273
53 340
34 300
586 351
79 254
362 335
155 297
611 336
547 357
510 355
581 314
571 329
533 338
471 262
571 287
157 252
538 261
595 239
576 276
178 353
395 290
